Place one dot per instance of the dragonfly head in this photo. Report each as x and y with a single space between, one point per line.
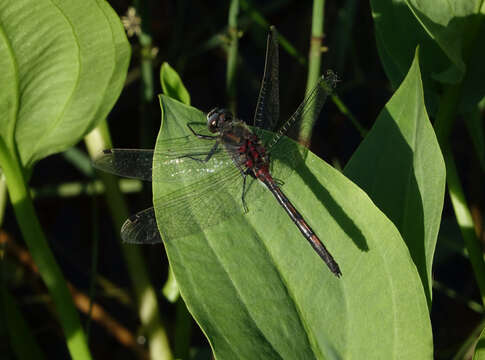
216 119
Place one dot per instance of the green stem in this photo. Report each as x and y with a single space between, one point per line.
149 312
232 55
314 62
146 67
443 125
41 253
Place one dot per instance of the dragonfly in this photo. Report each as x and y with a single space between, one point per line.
220 165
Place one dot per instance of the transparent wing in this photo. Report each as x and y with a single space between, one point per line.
208 202
199 206
141 228
311 106
174 158
267 112
129 163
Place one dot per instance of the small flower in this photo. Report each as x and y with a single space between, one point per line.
131 22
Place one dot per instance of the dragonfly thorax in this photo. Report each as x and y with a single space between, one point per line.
245 147
217 118
253 154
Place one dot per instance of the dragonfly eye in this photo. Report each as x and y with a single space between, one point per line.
216 118
213 120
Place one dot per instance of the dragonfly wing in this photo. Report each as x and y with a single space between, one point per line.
192 209
267 112
185 157
141 228
189 159
131 163
311 106
203 204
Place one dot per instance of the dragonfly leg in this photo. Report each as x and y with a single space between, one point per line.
208 155
243 194
202 136
212 151
244 174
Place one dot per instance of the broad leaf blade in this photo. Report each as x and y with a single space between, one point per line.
442 29
400 166
66 62
258 290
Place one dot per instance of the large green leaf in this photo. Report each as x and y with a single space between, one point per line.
63 66
258 290
400 166
442 29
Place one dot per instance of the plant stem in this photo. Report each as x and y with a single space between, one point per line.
232 55
41 253
314 62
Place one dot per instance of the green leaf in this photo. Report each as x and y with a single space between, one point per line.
400 166
258 290
63 67
442 29
172 84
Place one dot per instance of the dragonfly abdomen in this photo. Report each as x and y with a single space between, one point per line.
299 221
